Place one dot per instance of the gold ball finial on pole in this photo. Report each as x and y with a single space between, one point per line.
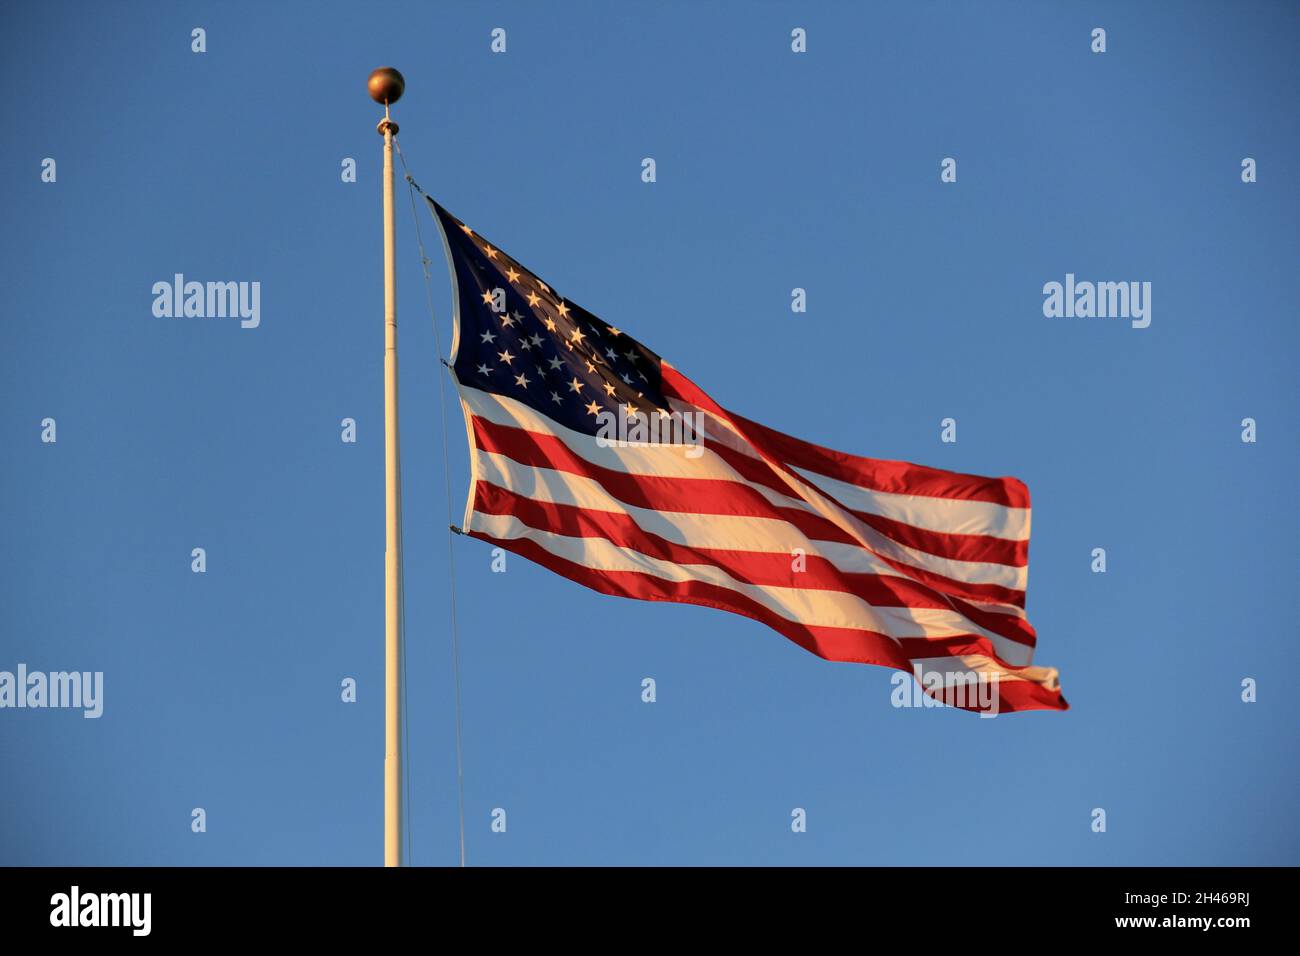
386 85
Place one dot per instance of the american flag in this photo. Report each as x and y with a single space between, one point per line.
854 559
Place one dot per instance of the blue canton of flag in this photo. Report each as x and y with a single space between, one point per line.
519 337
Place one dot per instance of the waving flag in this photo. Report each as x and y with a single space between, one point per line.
593 457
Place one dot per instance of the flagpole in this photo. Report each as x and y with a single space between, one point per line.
386 86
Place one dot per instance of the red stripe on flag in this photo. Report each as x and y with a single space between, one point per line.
761 568
704 496
848 645
894 477
943 544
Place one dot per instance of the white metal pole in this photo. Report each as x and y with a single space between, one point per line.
386 86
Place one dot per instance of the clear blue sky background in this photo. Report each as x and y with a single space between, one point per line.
774 171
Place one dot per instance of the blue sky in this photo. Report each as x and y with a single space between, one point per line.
775 171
